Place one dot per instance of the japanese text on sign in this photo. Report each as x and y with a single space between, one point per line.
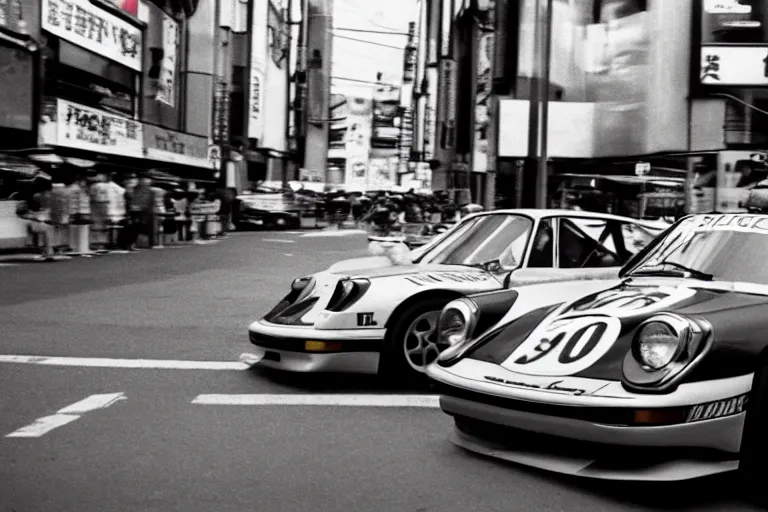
84 24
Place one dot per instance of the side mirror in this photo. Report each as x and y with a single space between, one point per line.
492 266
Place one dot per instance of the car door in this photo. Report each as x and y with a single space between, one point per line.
585 242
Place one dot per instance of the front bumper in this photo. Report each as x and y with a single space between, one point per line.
584 435
284 348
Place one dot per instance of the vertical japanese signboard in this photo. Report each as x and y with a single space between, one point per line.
257 78
734 43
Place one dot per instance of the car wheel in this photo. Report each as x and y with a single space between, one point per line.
412 343
754 442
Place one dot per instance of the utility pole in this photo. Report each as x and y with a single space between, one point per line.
544 84
319 44
288 18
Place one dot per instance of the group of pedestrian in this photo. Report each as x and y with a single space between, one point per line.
77 213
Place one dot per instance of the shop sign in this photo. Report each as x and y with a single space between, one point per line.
734 65
16 80
221 113
84 24
176 147
81 127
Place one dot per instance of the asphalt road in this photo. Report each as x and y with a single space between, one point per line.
137 439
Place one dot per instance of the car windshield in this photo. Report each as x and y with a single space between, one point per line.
483 239
712 247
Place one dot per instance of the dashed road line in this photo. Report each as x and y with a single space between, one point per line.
102 362
278 240
66 415
335 233
421 401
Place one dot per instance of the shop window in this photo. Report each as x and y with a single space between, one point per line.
580 249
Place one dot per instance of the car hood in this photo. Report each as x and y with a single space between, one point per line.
406 270
590 337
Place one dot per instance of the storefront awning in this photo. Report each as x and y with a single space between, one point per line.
21 169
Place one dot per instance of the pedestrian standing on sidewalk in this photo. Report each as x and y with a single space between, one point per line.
60 216
140 202
116 216
99 193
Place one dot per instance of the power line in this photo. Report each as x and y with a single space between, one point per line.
362 81
369 42
345 29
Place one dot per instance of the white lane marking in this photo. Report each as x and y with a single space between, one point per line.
94 362
92 403
42 426
336 233
287 254
279 240
291 232
68 414
430 401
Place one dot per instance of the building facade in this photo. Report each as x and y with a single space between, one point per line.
670 94
120 88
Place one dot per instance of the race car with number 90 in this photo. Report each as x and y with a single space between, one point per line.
658 374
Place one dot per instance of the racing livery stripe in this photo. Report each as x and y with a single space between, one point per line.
499 344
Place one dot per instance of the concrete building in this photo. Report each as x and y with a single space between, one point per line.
643 95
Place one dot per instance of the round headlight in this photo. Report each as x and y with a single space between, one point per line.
658 344
452 327
456 322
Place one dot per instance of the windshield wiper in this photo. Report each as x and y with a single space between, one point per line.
677 270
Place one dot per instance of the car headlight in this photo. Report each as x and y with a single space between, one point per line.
347 292
665 347
658 344
456 323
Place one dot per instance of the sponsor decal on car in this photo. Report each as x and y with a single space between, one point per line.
427 278
365 320
554 386
718 409
563 347
631 301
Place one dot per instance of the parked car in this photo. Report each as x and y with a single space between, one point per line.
371 315
658 374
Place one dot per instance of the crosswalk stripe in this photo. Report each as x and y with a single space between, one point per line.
425 401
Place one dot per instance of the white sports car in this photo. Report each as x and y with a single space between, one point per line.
374 315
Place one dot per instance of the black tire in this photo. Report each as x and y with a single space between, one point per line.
753 458
393 366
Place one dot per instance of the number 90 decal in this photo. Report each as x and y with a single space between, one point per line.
565 347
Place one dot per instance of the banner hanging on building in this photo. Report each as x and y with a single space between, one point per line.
358 140
82 23
166 86
482 97
259 48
